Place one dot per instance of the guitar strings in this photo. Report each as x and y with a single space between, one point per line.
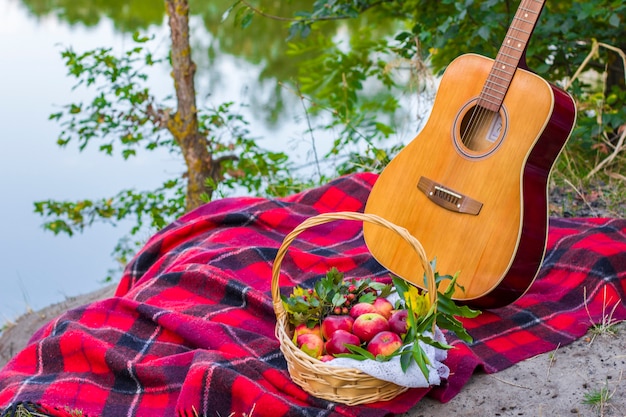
468 136
480 120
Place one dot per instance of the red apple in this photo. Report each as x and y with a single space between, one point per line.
326 358
383 307
311 344
361 308
304 329
384 343
366 326
332 323
398 323
339 340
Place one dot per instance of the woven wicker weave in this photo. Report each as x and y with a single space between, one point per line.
344 385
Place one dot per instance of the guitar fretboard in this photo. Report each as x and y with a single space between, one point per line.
510 54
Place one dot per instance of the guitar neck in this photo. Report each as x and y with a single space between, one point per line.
510 54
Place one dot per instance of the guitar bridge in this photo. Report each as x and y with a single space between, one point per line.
447 198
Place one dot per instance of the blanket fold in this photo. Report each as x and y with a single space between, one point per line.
190 331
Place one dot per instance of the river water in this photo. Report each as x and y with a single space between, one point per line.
38 268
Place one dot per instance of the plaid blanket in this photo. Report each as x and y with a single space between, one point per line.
190 331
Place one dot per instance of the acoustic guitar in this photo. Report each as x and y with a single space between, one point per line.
472 185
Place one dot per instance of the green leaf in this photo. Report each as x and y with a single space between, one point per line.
140 39
406 358
484 32
227 12
367 298
107 148
378 286
321 289
452 324
247 19
401 285
358 353
338 300
126 153
421 359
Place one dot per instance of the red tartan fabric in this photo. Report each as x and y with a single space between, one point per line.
191 328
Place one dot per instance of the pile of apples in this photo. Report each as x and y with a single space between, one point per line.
376 326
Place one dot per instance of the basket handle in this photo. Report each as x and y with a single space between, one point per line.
348 215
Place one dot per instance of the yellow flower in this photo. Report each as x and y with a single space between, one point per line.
299 292
416 302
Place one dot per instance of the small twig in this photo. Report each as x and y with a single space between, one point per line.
269 16
313 141
580 194
595 48
618 148
552 360
509 383
331 111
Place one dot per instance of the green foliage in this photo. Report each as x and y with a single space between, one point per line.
244 164
339 71
331 295
148 212
421 321
160 206
122 113
599 398
355 80
354 85
124 118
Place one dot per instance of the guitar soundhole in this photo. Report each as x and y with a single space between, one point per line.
478 131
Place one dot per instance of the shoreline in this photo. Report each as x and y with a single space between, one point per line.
15 336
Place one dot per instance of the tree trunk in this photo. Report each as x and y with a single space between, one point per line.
184 123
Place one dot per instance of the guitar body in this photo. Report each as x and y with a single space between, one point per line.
478 205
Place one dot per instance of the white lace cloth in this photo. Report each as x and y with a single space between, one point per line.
391 370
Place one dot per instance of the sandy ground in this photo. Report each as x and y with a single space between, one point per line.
555 384
583 379
15 335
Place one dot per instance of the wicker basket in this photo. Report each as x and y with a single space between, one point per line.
344 385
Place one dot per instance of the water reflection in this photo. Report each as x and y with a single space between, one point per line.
127 16
233 65
40 268
262 44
